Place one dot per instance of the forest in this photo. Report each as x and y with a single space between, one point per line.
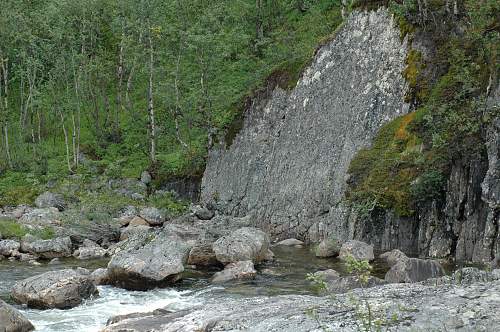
126 86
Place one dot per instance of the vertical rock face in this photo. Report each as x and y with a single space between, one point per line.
287 167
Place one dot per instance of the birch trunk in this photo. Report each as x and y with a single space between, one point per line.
152 125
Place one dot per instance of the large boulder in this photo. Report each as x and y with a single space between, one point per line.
244 244
202 255
155 260
48 199
356 249
61 289
48 249
393 257
11 320
328 248
9 247
100 276
235 271
152 215
414 270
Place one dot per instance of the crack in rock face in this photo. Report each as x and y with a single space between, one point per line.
287 168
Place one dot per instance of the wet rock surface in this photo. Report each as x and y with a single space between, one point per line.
57 247
414 307
287 167
235 271
11 320
149 260
356 249
413 270
244 244
61 289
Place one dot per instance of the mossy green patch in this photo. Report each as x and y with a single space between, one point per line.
384 172
11 229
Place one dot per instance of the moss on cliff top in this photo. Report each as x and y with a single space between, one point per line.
411 156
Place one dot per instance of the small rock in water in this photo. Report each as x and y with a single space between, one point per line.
290 243
235 271
327 275
328 248
55 261
358 250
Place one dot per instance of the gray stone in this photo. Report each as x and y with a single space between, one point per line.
138 221
48 199
244 244
11 320
328 248
290 243
152 215
90 250
413 270
287 167
156 260
100 276
9 247
345 284
202 255
55 261
57 247
61 289
130 230
235 271
41 217
145 177
416 307
202 212
327 275
393 257
358 250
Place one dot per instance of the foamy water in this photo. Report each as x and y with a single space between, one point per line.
93 314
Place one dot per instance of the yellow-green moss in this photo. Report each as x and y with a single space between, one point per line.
384 172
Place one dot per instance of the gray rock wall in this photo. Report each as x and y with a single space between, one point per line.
287 167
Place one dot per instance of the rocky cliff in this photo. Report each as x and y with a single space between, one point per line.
287 168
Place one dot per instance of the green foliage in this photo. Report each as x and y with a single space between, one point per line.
318 282
207 61
382 175
411 156
362 269
11 229
18 188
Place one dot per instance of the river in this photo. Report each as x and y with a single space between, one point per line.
285 275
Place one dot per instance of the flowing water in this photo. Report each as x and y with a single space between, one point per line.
285 275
